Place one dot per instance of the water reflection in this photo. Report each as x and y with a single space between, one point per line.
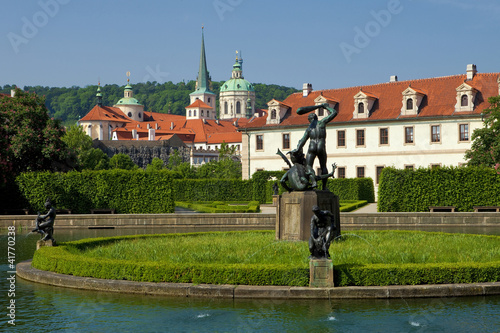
42 308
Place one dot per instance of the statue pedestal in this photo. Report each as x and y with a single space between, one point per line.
320 273
276 199
42 243
294 212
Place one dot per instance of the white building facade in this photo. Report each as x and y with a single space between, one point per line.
408 124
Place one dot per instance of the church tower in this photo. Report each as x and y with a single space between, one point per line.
237 95
129 105
202 100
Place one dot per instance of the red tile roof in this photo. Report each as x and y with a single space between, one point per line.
199 104
440 99
106 113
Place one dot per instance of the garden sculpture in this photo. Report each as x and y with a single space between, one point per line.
45 223
300 176
316 134
322 231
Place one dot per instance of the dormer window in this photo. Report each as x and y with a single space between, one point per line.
465 98
321 112
273 114
409 104
412 98
277 110
363 103
361 108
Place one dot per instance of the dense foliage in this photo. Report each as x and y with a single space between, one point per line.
363 258
221 206
70 104
485 148
128 192
30 139
415 190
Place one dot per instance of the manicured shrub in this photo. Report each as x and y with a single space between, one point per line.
127 191
416 190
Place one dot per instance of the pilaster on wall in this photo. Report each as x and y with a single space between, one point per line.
245 160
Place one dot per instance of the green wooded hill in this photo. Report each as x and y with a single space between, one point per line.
69 104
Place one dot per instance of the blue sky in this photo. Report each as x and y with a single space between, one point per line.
329 43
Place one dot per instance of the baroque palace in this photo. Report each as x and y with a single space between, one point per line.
405 124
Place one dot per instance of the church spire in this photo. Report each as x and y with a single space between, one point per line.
203 80
99 95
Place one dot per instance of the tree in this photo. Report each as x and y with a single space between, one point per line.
79 143
122 161
485 148
94 159
31 140
156 164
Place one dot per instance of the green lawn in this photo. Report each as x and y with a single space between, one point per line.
356 247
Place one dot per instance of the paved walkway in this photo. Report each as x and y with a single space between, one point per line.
370 208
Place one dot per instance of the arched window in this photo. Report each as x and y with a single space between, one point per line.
361 108
194 113
208 113
190 113
238 107
225 107
409 104
273 114
202 113
465 100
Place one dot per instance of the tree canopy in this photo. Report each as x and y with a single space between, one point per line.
30 139
70 104
485 148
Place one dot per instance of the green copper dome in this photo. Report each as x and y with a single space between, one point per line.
236 85
128 101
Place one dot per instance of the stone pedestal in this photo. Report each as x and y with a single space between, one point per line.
321 273
42 243
294 212
276 199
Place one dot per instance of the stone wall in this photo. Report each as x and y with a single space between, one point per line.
143 152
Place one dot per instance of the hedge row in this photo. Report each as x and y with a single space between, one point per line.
68 259
416 190
129 192
413 274
221 207
212 190
153 192
350 205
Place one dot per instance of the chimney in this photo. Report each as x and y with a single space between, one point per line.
156 126
134 134
393 78
306 89
151 134
217 121
12 93
149 126
171 125
471 71
236 123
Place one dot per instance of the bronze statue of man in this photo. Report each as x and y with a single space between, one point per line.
45 223
316 133
322 232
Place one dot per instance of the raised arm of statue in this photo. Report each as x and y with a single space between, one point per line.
332 113
307 109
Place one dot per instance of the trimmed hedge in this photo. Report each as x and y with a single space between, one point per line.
212 190
416 190
137 191
221 207
350 205
129 192
68 259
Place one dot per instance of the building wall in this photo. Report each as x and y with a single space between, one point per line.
232 97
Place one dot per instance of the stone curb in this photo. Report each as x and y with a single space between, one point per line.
25 271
